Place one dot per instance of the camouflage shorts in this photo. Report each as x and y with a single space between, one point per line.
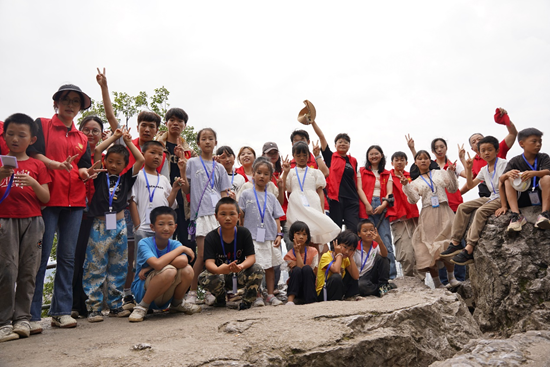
250 279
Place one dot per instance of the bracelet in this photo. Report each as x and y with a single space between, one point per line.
338 255
280 234
318 157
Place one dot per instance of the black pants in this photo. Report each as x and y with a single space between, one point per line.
79 297
370 282
346 211
301 284
339 288
181 232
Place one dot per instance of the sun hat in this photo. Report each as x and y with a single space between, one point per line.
71 87
269 146
307 114
520 185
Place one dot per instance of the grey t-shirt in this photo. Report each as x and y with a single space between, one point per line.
252 218
492 178
198 179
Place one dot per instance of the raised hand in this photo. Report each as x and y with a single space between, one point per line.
286 164
101 78
410 141
316 149
93 171
182 162
502 111
65 165
126 136
469 163
461 152
452 166
404 180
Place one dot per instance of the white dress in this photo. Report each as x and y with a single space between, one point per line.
321 227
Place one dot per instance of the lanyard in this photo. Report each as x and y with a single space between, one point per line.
151 196
493 176
431 184
305 254
367 259
234 246
232 176
8 189
303 181
328 269
158 251
111 193
533 168
211 179
262 214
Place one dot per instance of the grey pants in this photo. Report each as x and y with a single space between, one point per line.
20 254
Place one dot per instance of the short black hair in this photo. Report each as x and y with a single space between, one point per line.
90 118
489 140
205 129
382 164
119 149
161 210
530 131
150 144
226 200
299 226
301 133
399 154
178 113
362 222
300 147
149 117
342 136
225 149
22 119
347 238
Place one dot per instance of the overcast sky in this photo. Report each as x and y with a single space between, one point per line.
376 70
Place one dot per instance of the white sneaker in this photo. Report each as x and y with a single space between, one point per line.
36 327
191 297
138 314
209 299
259 302
274 301
186 308
22 328
6 333
454 283
64 321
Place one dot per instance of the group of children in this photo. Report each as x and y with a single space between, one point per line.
174 199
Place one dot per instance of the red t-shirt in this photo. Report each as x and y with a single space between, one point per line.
22 201
479 163
3 147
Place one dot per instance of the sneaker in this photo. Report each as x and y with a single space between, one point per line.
516 222
36 327
64 321
463 258
383 289
128 303
259 302
209 299
243 306
191 297
95 316
138 314
7 334
186 308
453 283
392 286
543 220
451 251
119 312
290 303
274 301
22 328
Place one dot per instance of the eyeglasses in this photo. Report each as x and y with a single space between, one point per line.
67 102
94 132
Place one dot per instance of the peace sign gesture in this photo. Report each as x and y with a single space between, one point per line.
101 78
404 180
469 163
316 149
286 165
461 152
410 143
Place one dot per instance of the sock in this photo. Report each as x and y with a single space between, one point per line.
270 296
144 305
450 276
176 302
437 282
126 292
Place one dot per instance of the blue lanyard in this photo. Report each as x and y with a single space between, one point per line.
8 189
532 168
303 181
151 196
234 246
262 214
111 193
431 184
210 178
367 259
158 251
232 176
493 176
305 254
328 268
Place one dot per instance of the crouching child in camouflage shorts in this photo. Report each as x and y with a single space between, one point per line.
163 273
229 258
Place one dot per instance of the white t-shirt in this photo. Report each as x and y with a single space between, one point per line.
491 179
140 194
236 181
368 259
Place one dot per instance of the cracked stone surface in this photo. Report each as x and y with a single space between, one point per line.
410 326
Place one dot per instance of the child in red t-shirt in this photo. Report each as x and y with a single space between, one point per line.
23 189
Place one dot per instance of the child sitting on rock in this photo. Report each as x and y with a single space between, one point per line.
527 180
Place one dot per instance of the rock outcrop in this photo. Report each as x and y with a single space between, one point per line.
510 278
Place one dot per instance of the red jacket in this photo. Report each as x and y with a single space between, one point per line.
401 206
66 188
132 160
368 180
240 171
337 165
3 147
455 198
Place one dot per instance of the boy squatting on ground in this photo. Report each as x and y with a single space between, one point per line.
484 207
21 227
229 258
163 273
531 166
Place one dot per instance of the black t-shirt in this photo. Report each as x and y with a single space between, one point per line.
543 162
348 188
174 172
99 204
213 247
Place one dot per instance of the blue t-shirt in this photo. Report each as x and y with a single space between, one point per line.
147 250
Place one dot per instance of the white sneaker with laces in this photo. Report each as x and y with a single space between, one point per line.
63 321
191 297
138 314
274 301
259 302
209 299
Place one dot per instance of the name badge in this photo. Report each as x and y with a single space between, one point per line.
534 197
260 235
304 200
235 283
148 211
214 198
110 221
325 293
435 201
